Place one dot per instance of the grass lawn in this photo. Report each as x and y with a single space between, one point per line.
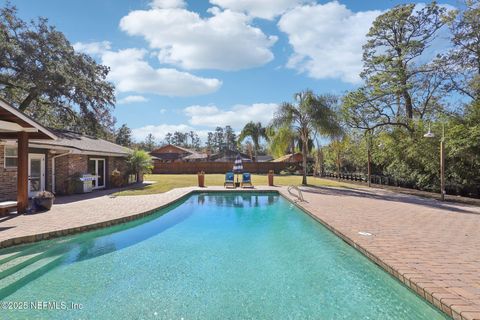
166 182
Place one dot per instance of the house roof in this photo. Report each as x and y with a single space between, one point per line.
171 146
292 157
81 143
264 158
229 155
165 153
195 156
13 121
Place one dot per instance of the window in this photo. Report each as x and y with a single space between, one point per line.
11 155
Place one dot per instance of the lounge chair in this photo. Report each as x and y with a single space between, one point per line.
246 180
229 180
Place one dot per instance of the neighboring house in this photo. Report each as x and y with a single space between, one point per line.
229 156
52 160
170 153
264 158
292 158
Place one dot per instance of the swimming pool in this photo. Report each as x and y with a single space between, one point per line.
208 256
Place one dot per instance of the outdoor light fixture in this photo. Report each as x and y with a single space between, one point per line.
430 134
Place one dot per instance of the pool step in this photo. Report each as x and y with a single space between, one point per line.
14 281
8 256
17 263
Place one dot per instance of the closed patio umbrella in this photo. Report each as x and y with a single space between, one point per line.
238 166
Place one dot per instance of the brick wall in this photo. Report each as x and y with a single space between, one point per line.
8 179
65 168
115 163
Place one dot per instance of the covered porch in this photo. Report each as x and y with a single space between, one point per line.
14 125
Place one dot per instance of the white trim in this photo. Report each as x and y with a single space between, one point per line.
76 151
14 127
5 157
96 172
41 157
32 144
106 154
20 115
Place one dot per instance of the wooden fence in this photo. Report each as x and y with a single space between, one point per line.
216 167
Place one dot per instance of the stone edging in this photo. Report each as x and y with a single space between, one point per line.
403 278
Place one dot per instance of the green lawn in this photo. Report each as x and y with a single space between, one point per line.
166 182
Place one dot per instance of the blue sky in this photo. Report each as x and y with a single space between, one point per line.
197 64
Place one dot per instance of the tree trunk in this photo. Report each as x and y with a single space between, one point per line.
408 104
304 160
405 93
28 100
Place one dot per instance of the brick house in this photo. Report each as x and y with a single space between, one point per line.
170 153
54 164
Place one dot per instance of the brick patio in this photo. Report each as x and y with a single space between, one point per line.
431 246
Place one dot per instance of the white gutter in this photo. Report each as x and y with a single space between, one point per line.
77 151
53 167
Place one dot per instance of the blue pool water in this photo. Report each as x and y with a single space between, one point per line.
210 256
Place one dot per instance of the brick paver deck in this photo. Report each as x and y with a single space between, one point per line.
431 246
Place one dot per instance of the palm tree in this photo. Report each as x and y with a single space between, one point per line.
255 131
280 140
139 162
311 114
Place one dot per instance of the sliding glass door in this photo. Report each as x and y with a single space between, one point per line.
96 167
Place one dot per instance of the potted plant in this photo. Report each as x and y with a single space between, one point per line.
117 180
44 200
201 179
270 177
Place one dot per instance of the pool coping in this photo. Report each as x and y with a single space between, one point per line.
416 288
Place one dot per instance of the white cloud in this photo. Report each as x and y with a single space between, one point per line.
266 9
327 39
132 73
92 48
224 41
132 99
166 4
237 116
159 131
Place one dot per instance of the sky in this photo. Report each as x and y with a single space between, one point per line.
194 65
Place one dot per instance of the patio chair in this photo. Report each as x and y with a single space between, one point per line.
229 180
246 180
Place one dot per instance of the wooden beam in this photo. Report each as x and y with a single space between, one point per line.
15 127
8 135
22 174
31 135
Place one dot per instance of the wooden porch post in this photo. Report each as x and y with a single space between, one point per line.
22 174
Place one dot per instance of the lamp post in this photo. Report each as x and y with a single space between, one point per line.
369 158
369 167
430 134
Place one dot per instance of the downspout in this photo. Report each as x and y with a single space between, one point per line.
53 167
